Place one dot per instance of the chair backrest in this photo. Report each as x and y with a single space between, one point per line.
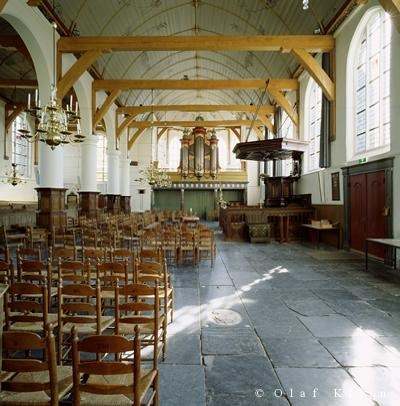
63 253
22 342
79 304
150 255
34 271
73 272
4 252
94 255
122 377
6 272
29 253
21 312
111 274
131 310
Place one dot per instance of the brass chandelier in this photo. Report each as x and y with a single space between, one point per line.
155 177
54 121
13 177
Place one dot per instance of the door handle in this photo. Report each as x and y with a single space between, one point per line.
386 211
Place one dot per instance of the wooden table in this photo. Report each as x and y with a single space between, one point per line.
320 230
388 242
192 220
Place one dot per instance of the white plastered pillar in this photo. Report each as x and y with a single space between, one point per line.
89 164
113 183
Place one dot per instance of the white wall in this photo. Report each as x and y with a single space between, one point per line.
142 152
310 183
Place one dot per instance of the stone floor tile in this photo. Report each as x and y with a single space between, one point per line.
360 352
322 387
380 383
309 307
219 341
298 352
183 350
331 326
181 385
239 374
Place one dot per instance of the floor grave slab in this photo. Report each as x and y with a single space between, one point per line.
218 341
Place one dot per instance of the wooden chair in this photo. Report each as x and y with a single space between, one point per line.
169 245
157 271
79 305
110 275
122 255
73 272
6 272
26 308
4 253
90 238
206 245
139 305
112 382
37 236
37 272
30 381
187 245
29 253
153 255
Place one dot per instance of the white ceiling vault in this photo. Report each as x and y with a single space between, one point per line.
186 17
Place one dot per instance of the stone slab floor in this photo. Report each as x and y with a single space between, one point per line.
283 324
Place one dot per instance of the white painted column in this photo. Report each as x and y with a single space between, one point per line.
124 177
113 184
51 166
89 164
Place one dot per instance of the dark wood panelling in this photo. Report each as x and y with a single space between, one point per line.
335 214
88 204
51 208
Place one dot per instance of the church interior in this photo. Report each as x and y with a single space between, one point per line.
198 202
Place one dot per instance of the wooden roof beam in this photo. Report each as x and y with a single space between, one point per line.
316 72
283 102
18 84
135 137
75 72
102 111
267 122
124 125
393 8
2 4
256 84
265 109
214 123
311 43
11 117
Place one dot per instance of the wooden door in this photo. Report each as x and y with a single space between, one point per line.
376 221
367 203
358 211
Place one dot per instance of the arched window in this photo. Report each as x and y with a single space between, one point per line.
313 125
369 86
19 148
102 158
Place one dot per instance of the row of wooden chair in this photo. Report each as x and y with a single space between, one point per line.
101 379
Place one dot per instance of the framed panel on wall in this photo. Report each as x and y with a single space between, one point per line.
335 180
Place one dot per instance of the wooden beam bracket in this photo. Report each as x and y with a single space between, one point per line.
316 72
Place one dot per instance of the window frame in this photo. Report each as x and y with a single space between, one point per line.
24 160
102 169
360 35
312 86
